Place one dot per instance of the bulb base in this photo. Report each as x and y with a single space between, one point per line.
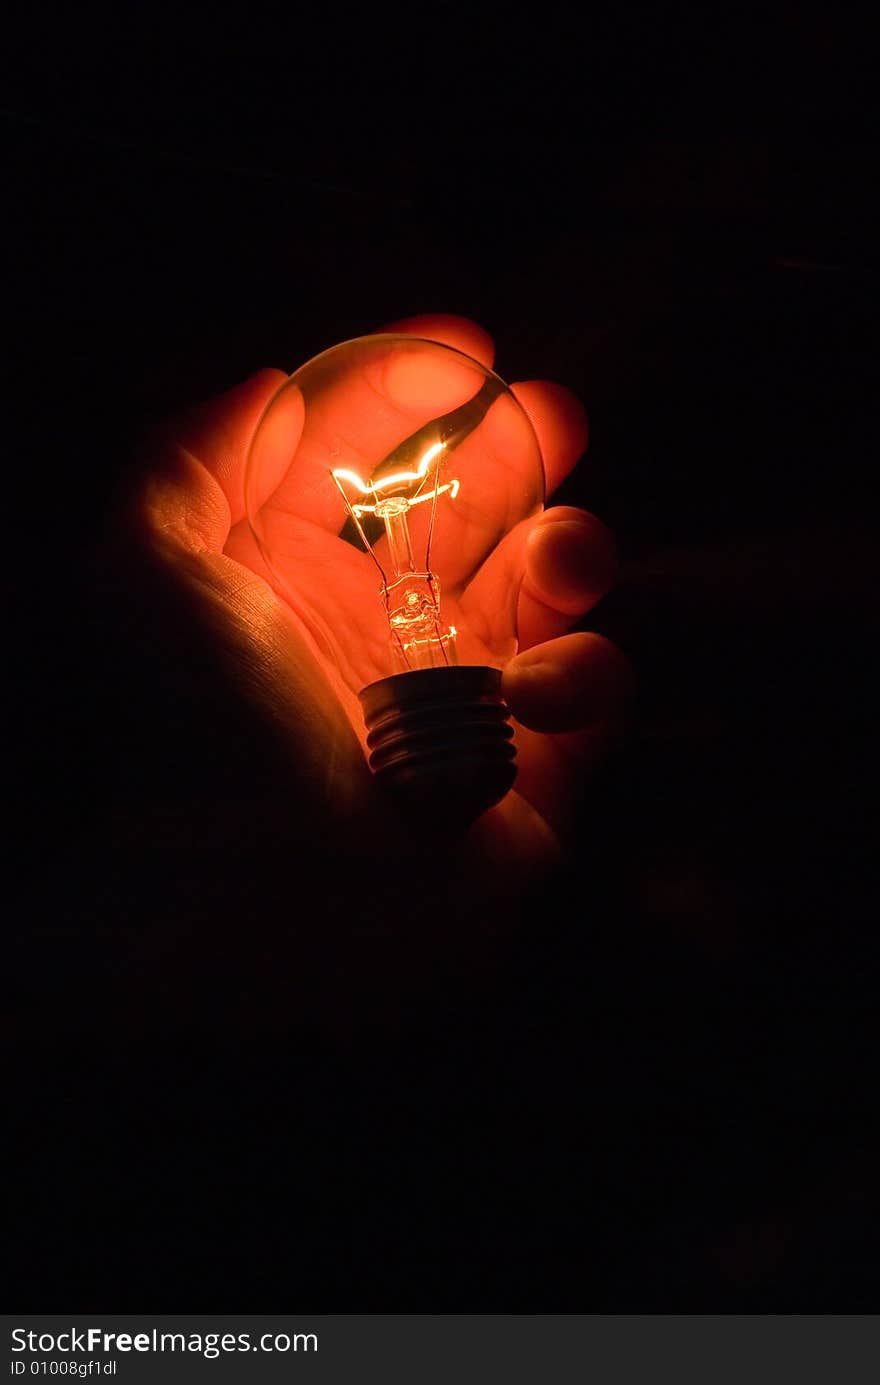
441 741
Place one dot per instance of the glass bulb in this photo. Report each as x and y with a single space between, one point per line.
381 480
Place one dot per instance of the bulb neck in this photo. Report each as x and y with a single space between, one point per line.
441 742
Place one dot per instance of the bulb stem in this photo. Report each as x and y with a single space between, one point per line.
397 533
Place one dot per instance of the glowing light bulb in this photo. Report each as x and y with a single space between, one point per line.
383 481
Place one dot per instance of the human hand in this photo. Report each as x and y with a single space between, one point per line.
185 534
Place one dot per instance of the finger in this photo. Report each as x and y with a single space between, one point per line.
560 565
219 432
570 563
568 683
190 483
572 698
459 332
560 423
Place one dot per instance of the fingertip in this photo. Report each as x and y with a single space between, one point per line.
258 384
568 683
268 374
560 423
254 392
571 560
224 422
462 333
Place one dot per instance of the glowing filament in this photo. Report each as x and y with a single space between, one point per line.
451 486
411 596
400 479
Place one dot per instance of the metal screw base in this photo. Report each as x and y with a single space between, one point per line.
440 740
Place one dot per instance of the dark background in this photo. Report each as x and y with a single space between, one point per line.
656 1090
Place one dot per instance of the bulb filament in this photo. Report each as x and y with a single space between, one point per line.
411 593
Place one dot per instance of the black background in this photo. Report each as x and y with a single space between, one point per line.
657 1093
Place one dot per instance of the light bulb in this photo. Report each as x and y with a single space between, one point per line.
382 482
